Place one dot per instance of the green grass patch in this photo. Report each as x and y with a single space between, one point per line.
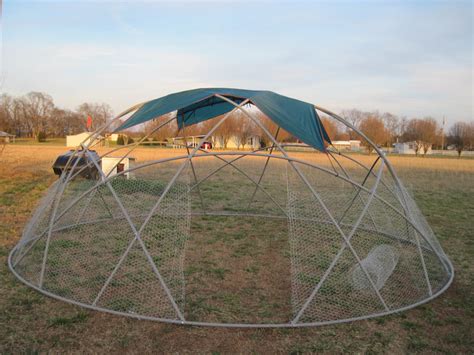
68 321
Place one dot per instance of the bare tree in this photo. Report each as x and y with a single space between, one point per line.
226 130
64 122
461 135
270 126
392 124
35 115
100 113
331 127
206 126
7 116
36 109
470 136
57 123
244 129
162 134
18 121
403 126
423 133
355 117
429 133
373 127
412 133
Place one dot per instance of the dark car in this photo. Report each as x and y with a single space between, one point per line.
90 172
204 145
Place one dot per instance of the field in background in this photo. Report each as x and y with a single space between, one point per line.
32 141
443 188
61 142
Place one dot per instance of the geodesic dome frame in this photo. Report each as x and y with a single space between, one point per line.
358 246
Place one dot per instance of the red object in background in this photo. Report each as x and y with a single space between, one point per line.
89 122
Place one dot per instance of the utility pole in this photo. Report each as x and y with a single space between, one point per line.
442 134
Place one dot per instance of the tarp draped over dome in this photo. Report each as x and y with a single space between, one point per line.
296 117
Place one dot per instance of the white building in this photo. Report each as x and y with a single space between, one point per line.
252 142
77 139
191 141
408 148
7 137
115 165
352 145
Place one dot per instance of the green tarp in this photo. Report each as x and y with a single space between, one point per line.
294 116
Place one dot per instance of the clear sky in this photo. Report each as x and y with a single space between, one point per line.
411 58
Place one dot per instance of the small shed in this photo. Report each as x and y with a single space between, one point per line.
76 139
116 165
6 137
113 137
408 148
351 145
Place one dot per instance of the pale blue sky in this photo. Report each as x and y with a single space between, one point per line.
412 58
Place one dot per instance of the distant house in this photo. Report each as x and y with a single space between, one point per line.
408 148
252 142
77 139
191 141
352 145
6 137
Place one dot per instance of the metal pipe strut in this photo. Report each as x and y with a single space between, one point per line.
192 165
355 189
61 219
318 198
264 168
224 325
401 198
240 155
257 185
144 248
358 190
151 213
341 250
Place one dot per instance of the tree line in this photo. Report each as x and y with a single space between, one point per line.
385 129
237 127
35 115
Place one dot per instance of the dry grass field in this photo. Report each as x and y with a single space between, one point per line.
32 322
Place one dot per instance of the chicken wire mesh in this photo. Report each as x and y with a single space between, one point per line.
379 263
254 239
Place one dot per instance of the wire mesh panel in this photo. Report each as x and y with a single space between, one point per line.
379 264
36 227
313 239
94 255
271 237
